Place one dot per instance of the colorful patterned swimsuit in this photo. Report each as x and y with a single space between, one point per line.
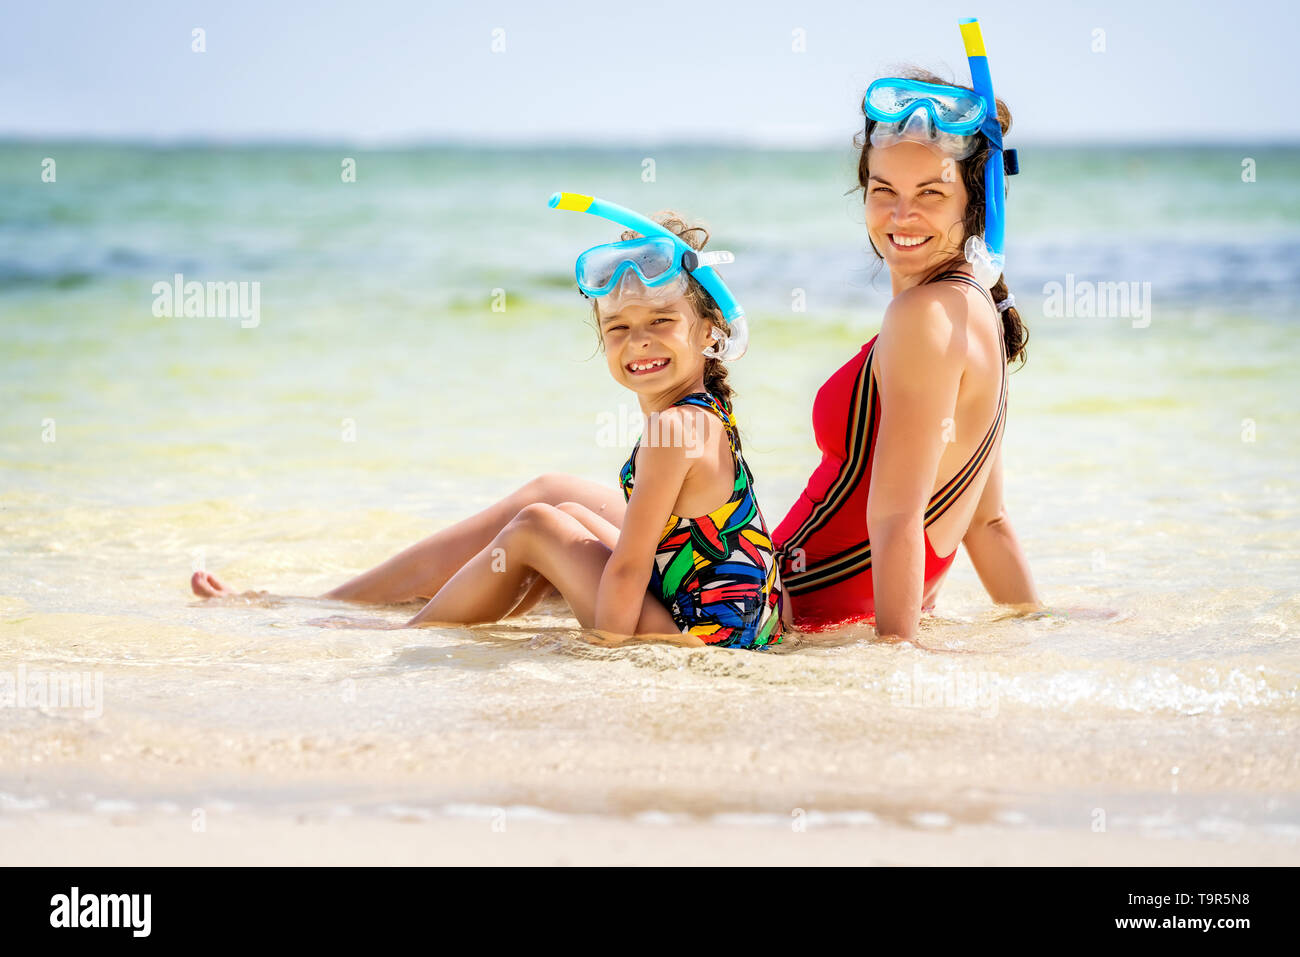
717 574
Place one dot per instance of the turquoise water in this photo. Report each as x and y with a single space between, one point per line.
1151 477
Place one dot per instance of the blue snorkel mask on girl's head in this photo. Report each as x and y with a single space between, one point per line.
950 118
655 267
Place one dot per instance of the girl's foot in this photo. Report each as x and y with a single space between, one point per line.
206 585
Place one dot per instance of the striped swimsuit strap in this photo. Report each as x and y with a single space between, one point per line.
969 280
854 560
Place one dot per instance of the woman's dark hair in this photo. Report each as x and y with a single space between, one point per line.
1014 331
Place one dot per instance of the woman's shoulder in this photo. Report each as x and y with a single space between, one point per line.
922 324
931 319
949 300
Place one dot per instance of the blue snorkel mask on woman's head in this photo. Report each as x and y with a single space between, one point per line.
656 268
950 118
945 117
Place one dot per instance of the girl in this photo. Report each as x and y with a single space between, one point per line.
911 427
689 556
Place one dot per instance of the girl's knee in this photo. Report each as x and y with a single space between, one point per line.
546 488
529 519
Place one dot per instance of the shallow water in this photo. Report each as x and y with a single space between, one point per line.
1150 468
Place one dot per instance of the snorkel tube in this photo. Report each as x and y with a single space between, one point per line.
987 255
697 264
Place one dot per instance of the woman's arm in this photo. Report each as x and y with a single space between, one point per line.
994 549
918 364
660 472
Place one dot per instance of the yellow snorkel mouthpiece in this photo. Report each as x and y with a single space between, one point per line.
575 202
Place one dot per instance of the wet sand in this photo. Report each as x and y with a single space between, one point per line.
233 839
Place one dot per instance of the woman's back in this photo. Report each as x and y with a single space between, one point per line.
823 541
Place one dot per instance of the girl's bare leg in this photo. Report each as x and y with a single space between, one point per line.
605 530
419 571
540 540
422 569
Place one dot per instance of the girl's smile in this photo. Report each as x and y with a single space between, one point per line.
642 367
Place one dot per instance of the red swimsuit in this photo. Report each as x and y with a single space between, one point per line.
822 544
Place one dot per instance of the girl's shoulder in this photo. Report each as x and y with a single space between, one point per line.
691 426
695 446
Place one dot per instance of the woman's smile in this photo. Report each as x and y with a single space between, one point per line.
907 241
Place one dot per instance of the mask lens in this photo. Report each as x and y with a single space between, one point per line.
596 267
949 105
600 266
888 101
652 258
963 108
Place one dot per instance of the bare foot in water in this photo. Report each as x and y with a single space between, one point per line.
206 585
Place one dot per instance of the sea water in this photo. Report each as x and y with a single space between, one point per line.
420 350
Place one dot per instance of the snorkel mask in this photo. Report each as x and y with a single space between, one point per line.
950 118
654 268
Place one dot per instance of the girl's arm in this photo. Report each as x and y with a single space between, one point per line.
919 357
994 549
660 472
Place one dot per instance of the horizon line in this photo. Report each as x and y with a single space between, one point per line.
767 144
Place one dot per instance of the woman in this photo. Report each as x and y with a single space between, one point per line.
911 428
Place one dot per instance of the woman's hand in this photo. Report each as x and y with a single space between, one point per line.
995 551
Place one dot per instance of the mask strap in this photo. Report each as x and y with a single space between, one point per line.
718 257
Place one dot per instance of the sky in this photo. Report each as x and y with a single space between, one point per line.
621 73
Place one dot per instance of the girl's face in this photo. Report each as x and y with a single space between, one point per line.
915 204
652 349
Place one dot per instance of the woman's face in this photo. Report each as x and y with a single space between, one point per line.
654 349
915 204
